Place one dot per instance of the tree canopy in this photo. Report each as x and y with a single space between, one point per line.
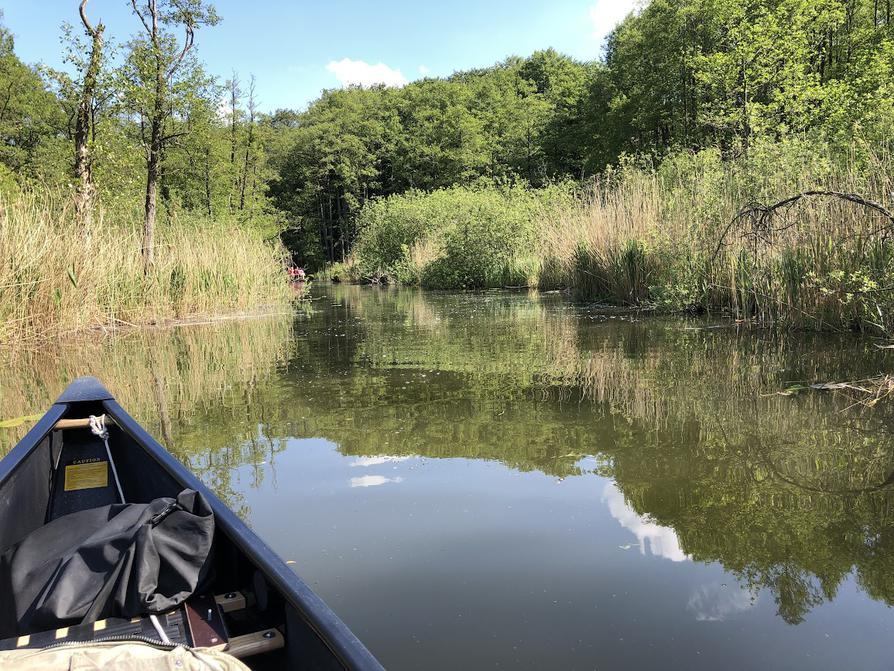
675 76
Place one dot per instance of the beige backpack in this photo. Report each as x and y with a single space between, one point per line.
118 656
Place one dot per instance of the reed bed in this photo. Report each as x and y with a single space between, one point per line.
59 275
669 237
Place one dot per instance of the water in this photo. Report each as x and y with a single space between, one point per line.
505 480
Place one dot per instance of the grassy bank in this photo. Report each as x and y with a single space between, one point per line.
58 275
665 237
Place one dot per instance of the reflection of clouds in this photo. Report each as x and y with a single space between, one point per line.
373 481
662 541
377 461
715 602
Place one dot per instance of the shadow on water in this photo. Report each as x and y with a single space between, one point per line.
707 460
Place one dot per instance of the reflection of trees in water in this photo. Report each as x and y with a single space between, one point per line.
798 543
200 389
790 493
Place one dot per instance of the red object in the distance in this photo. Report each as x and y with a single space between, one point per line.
296 274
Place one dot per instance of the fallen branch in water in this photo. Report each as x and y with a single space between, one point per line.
867 392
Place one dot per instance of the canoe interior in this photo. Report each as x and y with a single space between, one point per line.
30 496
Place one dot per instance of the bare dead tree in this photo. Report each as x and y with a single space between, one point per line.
85 126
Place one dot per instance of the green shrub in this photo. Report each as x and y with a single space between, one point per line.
455 238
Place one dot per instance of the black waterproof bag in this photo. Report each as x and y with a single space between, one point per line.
120 560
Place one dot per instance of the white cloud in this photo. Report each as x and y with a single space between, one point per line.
354 73
661 541
423 70
373 481
606 14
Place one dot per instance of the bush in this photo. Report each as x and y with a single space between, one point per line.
455 238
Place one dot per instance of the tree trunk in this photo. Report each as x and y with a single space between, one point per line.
153 172
164 68
248 144
235 95
245 166
84 129
208 206
746 123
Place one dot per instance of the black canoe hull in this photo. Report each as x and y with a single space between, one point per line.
315 637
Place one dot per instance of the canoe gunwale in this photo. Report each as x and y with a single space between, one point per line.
310 608
30 441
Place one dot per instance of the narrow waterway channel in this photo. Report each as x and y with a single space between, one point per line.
507 480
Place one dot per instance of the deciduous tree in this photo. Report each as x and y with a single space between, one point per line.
155 64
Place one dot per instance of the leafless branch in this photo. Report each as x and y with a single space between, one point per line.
761 219
133 3
188 41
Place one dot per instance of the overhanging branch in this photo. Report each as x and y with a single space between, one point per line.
762 219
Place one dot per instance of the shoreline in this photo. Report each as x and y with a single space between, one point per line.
122 327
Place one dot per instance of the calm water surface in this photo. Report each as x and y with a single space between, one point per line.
510 481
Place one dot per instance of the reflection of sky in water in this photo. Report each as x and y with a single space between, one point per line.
377 461
376 480
661 541
470 550
715 602
373 481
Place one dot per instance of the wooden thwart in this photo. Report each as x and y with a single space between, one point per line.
255 643
79 423
231 601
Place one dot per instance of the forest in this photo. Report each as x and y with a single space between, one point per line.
647 177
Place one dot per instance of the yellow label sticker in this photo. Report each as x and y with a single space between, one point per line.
86 476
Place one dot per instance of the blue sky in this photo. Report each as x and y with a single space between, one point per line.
296 49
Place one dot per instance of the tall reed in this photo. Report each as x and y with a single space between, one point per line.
59 275
661 236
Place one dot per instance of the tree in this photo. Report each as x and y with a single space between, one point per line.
341 154
561 82
250 160
235 98
155 62
83 164
512 115
441 141
195 173
33 137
